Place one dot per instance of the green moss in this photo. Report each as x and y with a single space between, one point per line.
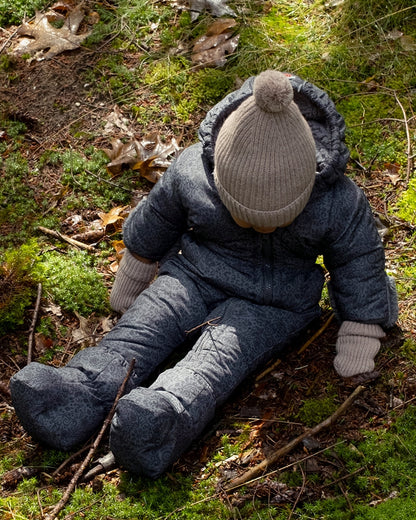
13 11
74 283
313 411
406 206
20 273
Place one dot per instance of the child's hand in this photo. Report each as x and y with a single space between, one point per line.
357 346
133 276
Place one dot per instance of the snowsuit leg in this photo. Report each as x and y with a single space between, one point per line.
63 407
153 426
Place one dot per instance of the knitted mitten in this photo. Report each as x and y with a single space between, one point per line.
357 346
133 276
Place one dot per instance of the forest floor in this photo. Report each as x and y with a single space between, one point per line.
51 97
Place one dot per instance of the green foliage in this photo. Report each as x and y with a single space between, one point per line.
20 272
92 185
13 11
17 201
407 203
313 411
74 283
408 348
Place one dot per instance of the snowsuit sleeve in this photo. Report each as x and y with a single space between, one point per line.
359 288
158 221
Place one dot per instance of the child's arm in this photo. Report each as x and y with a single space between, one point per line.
362 295
151 230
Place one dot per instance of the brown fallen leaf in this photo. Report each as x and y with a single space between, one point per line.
212 49
45 40
114 217
150 156
11 478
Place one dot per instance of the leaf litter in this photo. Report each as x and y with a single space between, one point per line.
288 390
44 41
213 48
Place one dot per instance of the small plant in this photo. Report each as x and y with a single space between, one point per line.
313 411
20 272
407 203
13 11
74 284
90 182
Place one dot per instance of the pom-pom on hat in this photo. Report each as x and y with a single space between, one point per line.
265 157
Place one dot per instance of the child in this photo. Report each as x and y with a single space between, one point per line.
249 209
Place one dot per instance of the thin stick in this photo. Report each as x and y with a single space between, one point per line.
302 349
409 167
262 466
65 497
33 325
70 240
317 333
70 459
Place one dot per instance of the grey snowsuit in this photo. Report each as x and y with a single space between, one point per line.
253 292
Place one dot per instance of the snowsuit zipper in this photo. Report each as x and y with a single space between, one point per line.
267 257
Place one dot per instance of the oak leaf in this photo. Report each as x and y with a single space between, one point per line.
212 49
46 41
114 217
150 156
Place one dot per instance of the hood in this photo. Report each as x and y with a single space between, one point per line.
327 125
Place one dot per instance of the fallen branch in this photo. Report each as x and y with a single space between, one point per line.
33 325
409 167
255 471
65 238
317 334
65 497
302 349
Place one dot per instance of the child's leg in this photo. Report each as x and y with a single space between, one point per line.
153 426
64 406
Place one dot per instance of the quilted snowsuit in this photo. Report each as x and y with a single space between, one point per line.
248 294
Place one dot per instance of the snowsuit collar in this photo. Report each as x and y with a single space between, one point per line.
328 126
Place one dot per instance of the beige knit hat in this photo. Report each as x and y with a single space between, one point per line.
265 156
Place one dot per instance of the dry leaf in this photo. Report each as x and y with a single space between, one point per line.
114 216
395 34
121 155
53 309
150 156
46 41
212 49
119 247
117 120
408 43
393 172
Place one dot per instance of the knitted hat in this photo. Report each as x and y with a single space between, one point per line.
265 159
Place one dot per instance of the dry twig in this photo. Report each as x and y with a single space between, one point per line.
70 240
302 349
65 497
255 471
33 325
409 167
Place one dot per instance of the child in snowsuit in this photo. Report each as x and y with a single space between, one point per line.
250 208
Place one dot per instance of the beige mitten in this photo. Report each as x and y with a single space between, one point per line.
357 346
133 276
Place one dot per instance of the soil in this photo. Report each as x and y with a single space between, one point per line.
51 98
